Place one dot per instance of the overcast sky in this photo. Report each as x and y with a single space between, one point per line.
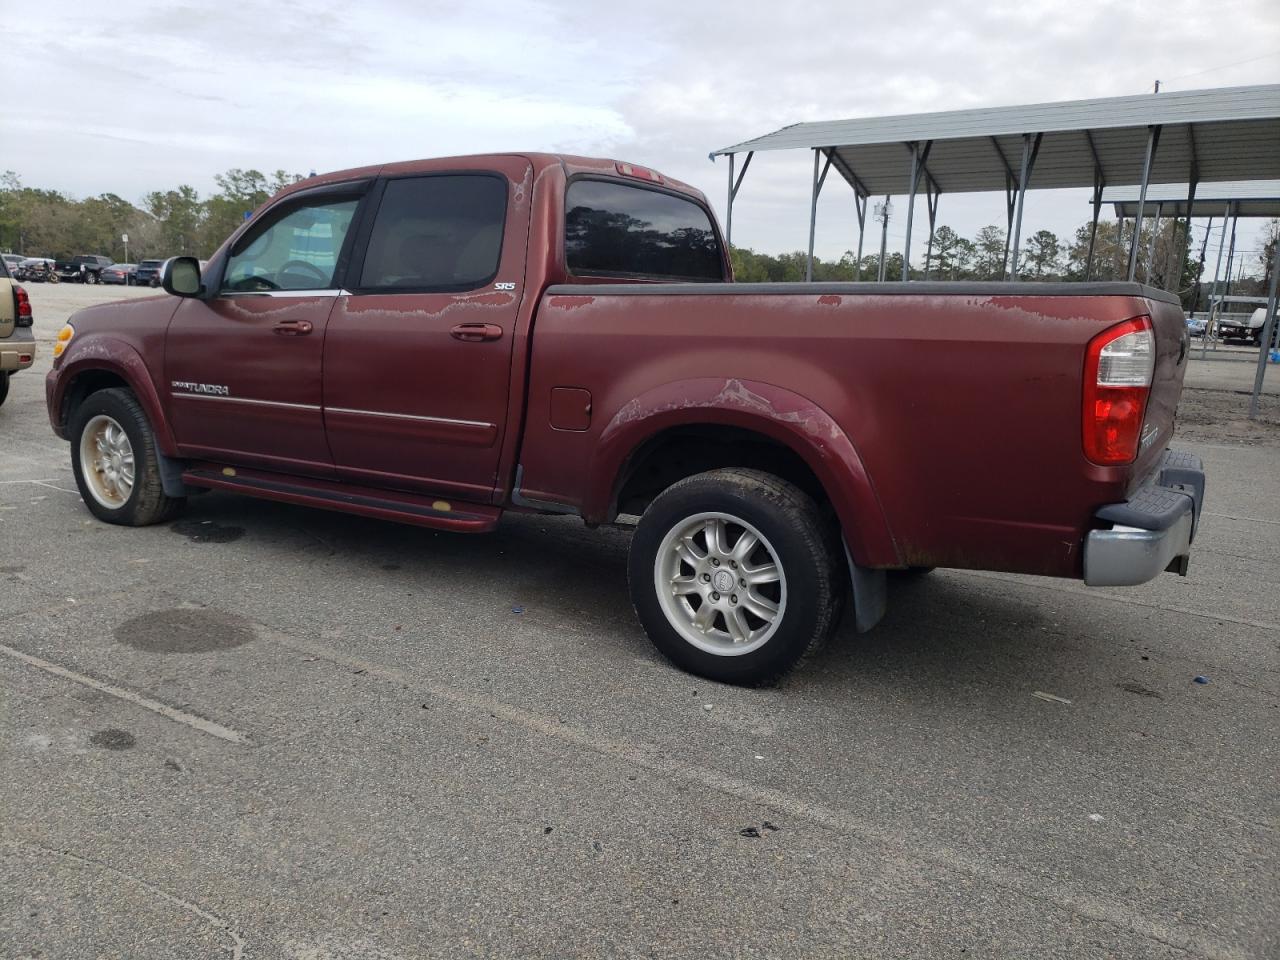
140 96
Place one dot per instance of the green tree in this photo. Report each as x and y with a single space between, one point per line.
1042 253
989 260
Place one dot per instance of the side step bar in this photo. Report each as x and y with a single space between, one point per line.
400 507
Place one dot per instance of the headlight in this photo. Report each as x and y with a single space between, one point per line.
64 337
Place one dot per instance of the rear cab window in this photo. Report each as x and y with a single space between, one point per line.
629 232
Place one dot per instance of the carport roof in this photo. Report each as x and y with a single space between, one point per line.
1231 133
1247 199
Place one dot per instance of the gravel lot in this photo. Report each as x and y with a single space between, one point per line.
265 731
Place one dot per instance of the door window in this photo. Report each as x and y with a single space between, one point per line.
297 250
436 233
614 230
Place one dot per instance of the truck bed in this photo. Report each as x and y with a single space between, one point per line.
961 400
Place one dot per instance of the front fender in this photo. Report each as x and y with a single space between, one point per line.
100 353
778 413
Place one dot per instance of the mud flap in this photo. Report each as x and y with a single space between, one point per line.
870 593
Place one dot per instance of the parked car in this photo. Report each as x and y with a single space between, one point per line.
36 270
17 342
1196 326
148 273
118 273
12 260
84 268
560 335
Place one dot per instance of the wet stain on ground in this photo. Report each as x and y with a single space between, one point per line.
113 739
1139 689
206 531
16 568
184 631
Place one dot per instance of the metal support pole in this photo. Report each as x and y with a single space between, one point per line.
860 204
1099 184
1030 148
1153 141
813 219
1268 331
1217 268
918 160
1181 252
813 209
1093 229
931 194
734 187
1151 244
728 213
1231 253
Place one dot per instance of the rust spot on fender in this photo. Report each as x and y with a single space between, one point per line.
830 300
571 303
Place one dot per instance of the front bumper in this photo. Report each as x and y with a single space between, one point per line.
17 352
1151 531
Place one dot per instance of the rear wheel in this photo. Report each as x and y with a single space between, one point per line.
113 456
90 277
733 574
4 386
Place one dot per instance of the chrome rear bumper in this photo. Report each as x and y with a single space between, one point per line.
1151 531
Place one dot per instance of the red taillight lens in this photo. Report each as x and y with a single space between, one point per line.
21 306
1118 367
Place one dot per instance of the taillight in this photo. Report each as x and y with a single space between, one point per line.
1118 367
21 307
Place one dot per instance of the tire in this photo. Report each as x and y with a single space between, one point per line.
736 644
98 418
4 387
90 277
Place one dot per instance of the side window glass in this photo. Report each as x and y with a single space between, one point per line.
438 233
615 230
295 251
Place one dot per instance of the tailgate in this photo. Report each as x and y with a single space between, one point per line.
1172 351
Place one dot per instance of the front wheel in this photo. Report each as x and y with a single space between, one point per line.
734 575
113 456
90 278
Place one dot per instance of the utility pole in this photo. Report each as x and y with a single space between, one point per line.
883 211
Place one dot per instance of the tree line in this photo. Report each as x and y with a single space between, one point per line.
166 223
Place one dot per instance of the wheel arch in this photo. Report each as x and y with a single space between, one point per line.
100 366
778 428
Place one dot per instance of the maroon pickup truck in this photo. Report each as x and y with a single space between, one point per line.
440 341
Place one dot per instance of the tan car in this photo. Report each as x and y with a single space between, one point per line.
17 342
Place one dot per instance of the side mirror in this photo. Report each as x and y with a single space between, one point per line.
180 276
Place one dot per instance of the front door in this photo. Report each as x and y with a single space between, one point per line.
417 357
243 366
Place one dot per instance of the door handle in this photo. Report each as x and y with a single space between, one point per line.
475 332
292 328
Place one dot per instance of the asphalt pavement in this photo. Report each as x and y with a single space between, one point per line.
264 731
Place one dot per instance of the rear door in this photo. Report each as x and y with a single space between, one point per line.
417 355
243 366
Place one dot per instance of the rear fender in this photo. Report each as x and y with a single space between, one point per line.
100 353
772 411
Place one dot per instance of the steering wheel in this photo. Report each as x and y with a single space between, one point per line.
320 275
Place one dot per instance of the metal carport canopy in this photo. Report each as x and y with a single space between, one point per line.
1244 199
1232 133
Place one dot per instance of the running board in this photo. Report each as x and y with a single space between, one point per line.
392 505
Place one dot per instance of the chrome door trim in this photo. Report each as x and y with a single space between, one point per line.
284 294
411 416
257 403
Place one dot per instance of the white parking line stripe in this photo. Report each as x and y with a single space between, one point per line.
155 706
